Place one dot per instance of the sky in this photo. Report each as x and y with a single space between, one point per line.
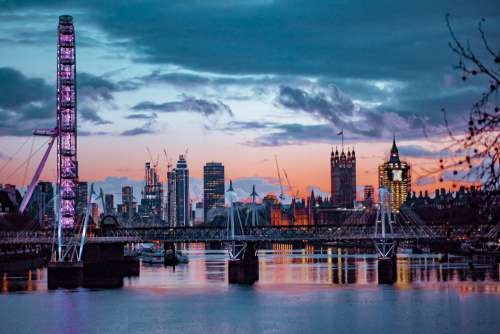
239 82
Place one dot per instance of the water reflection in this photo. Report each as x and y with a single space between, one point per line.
284 265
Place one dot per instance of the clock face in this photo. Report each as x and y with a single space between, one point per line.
397 175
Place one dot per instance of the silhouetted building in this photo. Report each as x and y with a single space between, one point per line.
10 198
182 206
82 194
94 213
343 178
198 213
127 208
213 187
41 204
368 195
394 176
109 201
171 216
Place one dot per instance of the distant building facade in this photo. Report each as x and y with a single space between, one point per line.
151 208
82 196
394 175
127 208
109 202
171 216
343 178
213 187
41 205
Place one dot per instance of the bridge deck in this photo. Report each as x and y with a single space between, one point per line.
220 234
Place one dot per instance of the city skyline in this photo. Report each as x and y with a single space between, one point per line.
152 97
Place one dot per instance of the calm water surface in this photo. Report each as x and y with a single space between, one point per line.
299 291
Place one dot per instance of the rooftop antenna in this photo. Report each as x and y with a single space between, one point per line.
150 155
341 133
169 163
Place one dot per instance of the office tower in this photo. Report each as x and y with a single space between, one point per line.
171 194
368 193
109 202
127 207
394 175
343 178
94 213
82 194
151 208
182 192
41 204
213 187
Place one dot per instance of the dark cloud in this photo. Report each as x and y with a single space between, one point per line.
25 103
285 134
90 115
29 103
357 46
147 128
17 90
331 105
141 116
189 104
99 88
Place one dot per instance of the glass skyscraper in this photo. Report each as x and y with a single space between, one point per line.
182 192
213 187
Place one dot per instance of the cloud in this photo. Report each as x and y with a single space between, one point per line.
286 134
147 128
423 181
4 156
90 115
331 105
99 88
29 103
391 59
141 116
25 103
419 151
189 104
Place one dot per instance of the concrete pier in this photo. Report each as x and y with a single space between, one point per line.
387 270
103 266
67 275
244 270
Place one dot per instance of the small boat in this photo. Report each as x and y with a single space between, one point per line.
173 258
181 258
153 255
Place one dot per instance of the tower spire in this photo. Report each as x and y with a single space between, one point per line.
394 152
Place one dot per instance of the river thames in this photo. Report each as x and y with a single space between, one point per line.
299 291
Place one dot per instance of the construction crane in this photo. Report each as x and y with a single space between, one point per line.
150 155
169 162
101 196
290 188
281 195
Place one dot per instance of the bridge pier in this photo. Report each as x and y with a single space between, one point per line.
67 275
103 266
387 270
387 262
244 269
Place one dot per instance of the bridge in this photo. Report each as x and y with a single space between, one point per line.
405 230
